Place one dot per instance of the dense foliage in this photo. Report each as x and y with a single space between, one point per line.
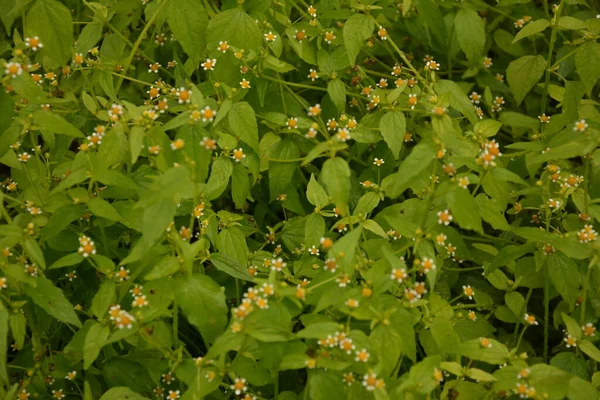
283 200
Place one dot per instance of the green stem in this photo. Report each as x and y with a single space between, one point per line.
139 41
410 66
585 288
550 54
546 312
521 337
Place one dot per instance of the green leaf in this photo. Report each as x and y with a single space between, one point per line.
277 65
188 21
464 209
203 303
243 124
470 33
8 14
156 219
523 73
323 385
496 354
94 340
122 393
532 28
103 298
393 128
492 213
3 343
52 22
89 36
337 92
515 301
282 173
103 208
587 60
316 194
445 336
35 252
230 266
52 300
572 326
419 159
246 34
588 348
232 241
357 29
480 375
136 142
51 122
335 176
487 128
67 261
219 178
431 17
240 186
564 275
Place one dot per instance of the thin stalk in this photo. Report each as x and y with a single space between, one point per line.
585 288
137 43
550 54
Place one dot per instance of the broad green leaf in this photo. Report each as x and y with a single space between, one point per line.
564 275
246 34
393 128
357 29
523 73
445 336
464 209
67 261
240 185
219 178
431 17
419 159
203 303
316 194
122 393
8 14
35 252
52 22
496 353
587 60
89 36
470 33
243 124
104 297
94 340
52 122
335 176
52 300
188 20
103 208
487 128
229 265
572 326
136 142
337 92
282 173
588 348
156 219
277 65
232 241
532 28
492 213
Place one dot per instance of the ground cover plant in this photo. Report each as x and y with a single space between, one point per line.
287 200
